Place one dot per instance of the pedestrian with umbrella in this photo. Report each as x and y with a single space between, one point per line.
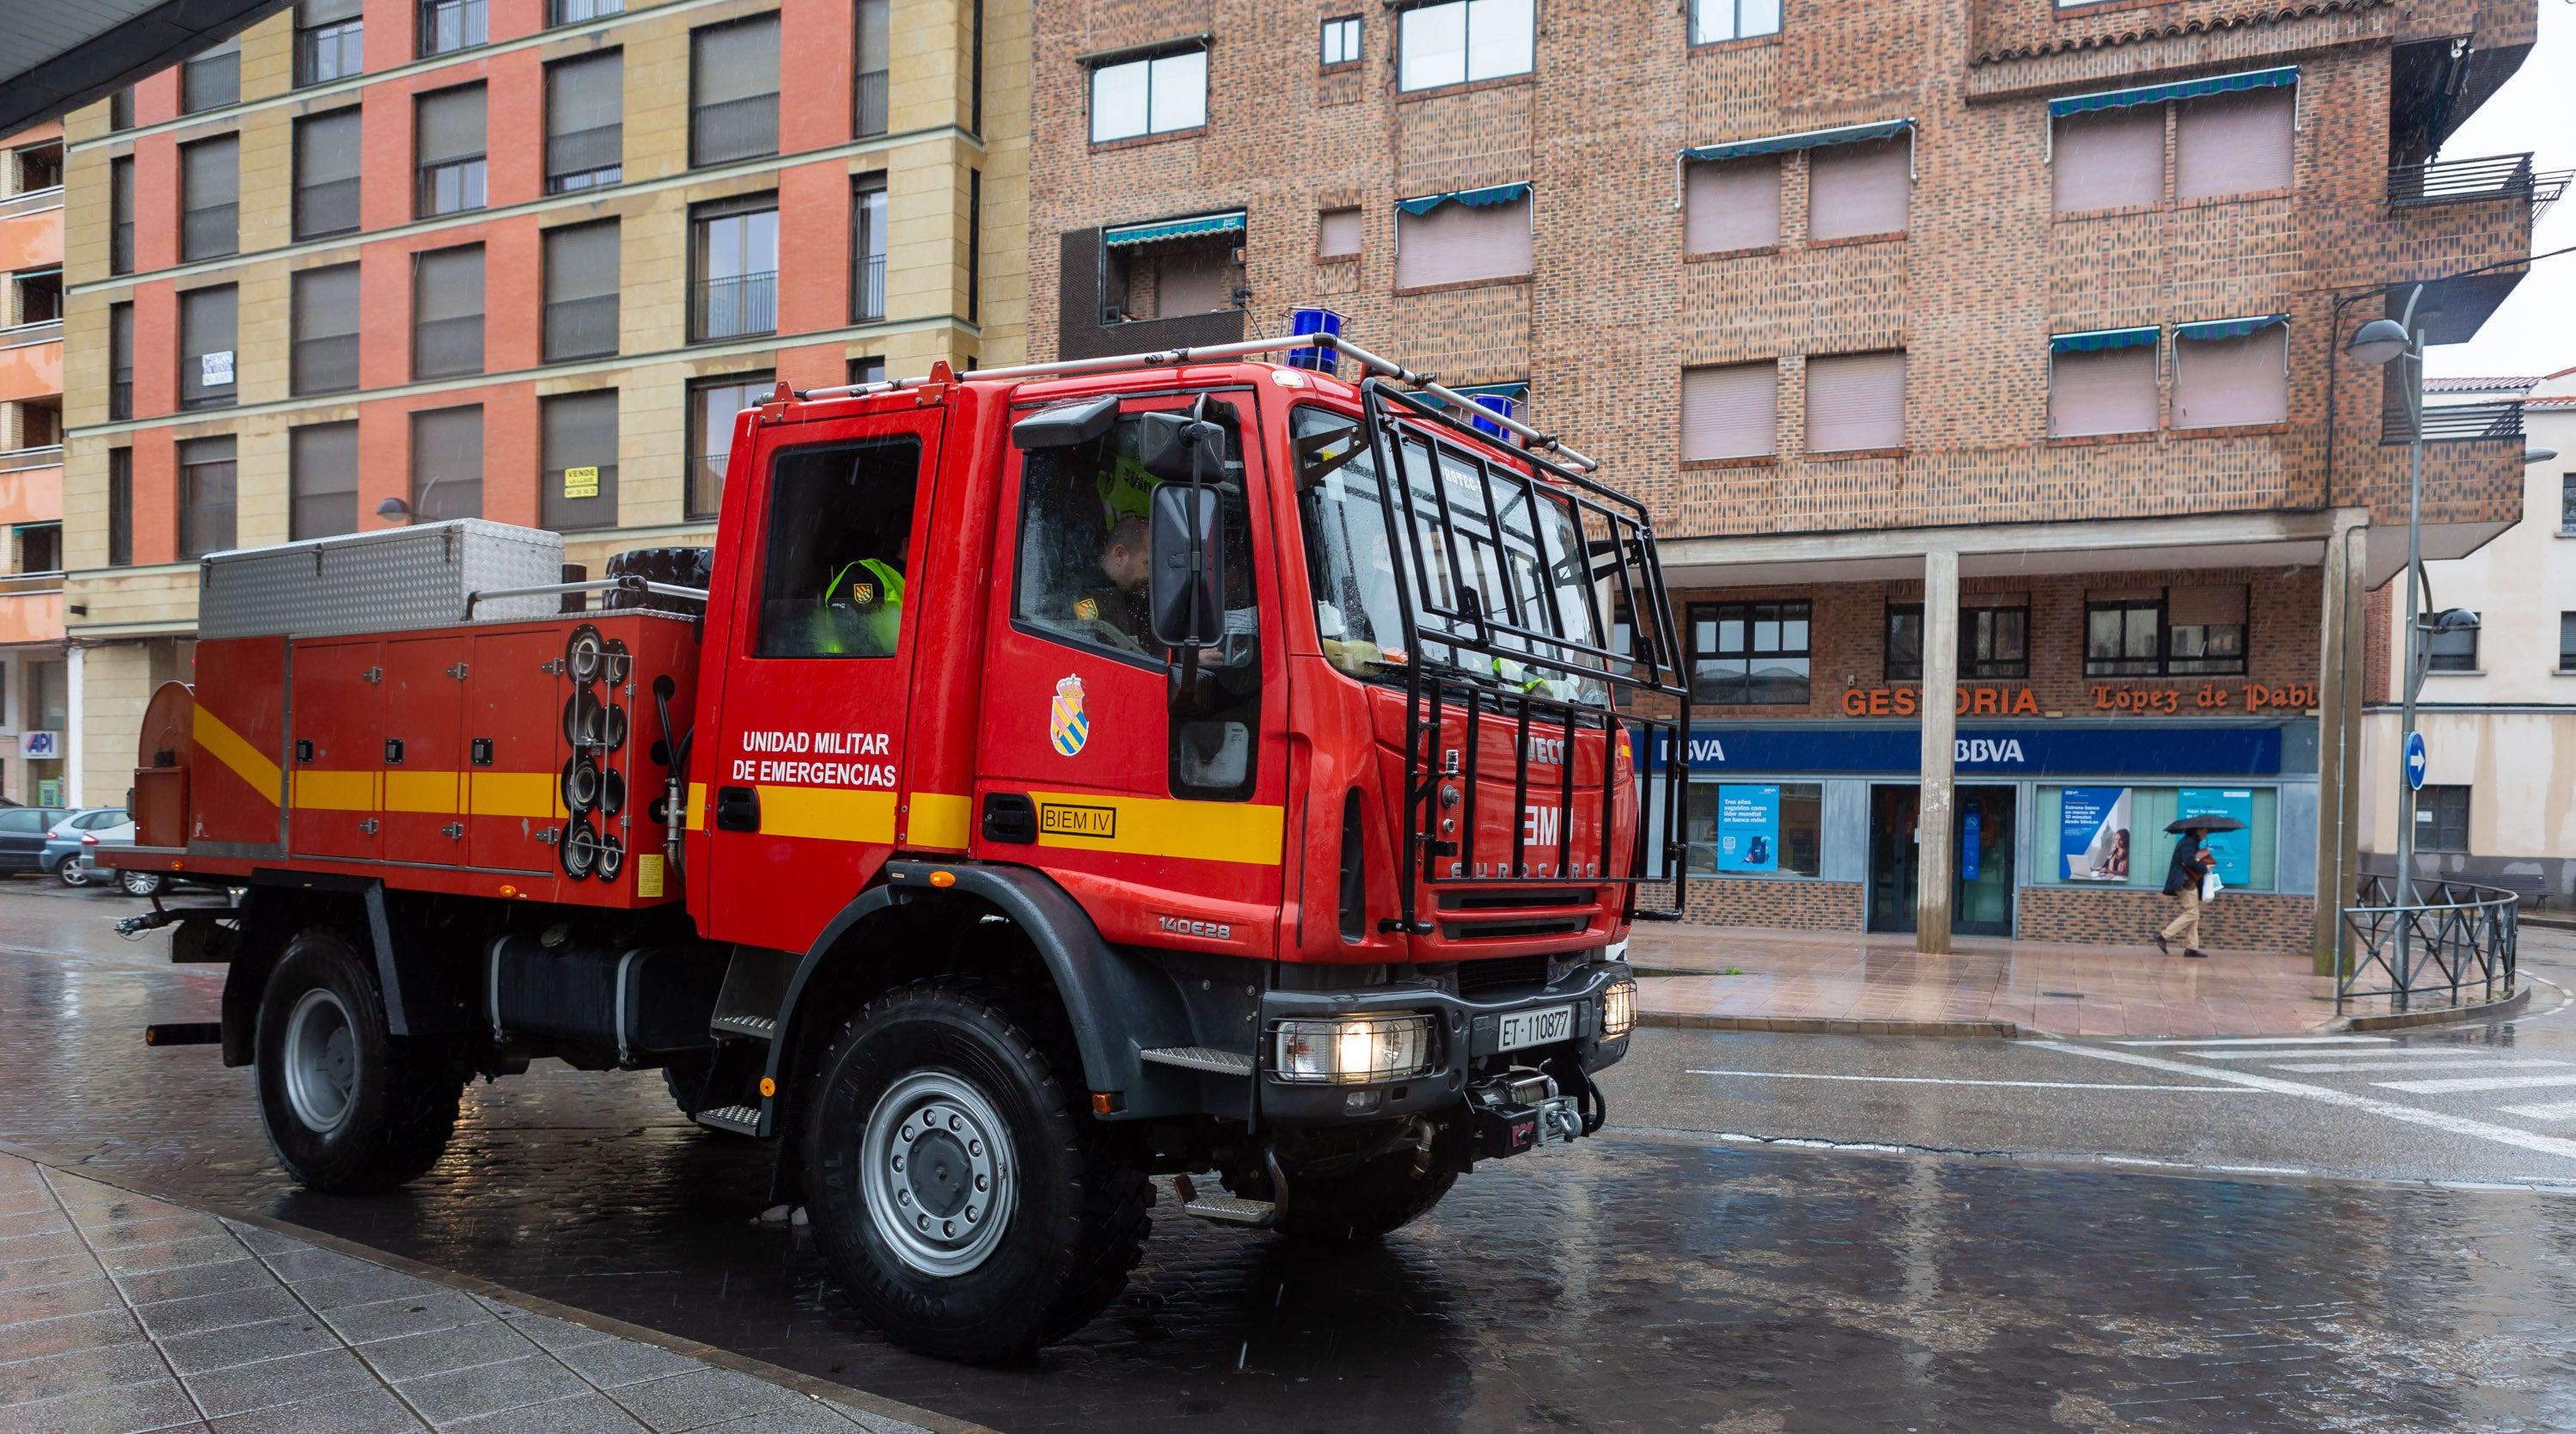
2192 864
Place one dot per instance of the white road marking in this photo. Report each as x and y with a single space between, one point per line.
2269 1041
1937 1080
2457 1084
2487 1064
2438 1120
2563 1110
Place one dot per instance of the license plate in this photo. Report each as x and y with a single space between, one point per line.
1542 1027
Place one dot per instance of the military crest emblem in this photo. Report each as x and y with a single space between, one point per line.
1066 723
1087 609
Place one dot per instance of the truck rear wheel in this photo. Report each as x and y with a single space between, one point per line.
965 1201
348 1106
1361 1203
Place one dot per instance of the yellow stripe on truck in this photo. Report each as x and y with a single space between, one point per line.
827 814
940 819
433 792
336 791
227 746
514 794
1154 826
697 806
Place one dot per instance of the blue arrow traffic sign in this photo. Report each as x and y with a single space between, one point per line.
2415 761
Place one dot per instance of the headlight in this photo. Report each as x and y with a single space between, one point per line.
1618 1009
1353 1050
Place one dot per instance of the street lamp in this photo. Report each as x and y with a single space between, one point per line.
2384 341
394 510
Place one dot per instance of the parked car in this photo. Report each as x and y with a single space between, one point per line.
132 883
63 843
22 837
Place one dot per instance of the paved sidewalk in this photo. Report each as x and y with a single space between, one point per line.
120 1314
1812 981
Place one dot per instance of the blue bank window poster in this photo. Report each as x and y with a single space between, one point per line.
2093 833
1748 828
2234 850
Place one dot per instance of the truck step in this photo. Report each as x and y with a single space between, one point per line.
739 1119
1199 1058
1230 1209
757 1027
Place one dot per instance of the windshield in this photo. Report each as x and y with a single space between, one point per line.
1533 575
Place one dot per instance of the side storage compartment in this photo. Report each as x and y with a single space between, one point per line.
514 748
423 754
236 752
338 761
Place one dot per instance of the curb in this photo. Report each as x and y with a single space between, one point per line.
1833 1026
811 1386
2445 1016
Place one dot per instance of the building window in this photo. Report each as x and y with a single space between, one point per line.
975 66
1855 403
120 109
1730 205
875 65
450 25
40 424
447 312
206 328
868 249
212 79
1463 239
734 268
1168 278
2205 630
582 273
585 122
1156 95
1904 647
870 369
206 496
2442 818
1464 40
1342 41
2108 159
1994 641
325 358
330 40
1748 830
713 402
1338 233
577 471
2452 651
210 199
40 548
447 138
573 12
120 216
447 464
1731 411
322 480
2232 380
1716 20
40 295
2234 143
1749 653
2567 502
2124 635
1858 190
974 241
2106 389
120 361
733 91
40 167
2567 642
120 507
327 155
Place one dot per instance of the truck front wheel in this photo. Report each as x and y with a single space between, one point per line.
349 1107
965 1202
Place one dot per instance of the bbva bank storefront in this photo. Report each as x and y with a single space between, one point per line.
2059 825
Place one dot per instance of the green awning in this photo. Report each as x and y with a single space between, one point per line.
2098 339
2181 90
1228 223
1472 198
1810 139
2229 328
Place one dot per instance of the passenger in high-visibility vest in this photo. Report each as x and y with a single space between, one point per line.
861 614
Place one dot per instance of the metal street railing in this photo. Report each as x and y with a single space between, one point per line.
2456 937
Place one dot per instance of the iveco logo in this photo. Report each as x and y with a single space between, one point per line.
1546 751
1212 930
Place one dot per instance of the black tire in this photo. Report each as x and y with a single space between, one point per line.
1361 1203
139 883
395 1098
1078 1212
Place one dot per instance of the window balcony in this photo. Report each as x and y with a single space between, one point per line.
2466 181
42 331
735 307
728 130
581 328
585 158
32 201
872 90
870 305
20 460
2456 422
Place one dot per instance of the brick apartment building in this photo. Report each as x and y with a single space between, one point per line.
519 259
34 698
1980 359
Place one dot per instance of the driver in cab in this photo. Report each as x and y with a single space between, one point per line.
1115 596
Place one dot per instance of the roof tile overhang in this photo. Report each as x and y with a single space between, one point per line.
2148 28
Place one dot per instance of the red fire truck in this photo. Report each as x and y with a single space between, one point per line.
1183 764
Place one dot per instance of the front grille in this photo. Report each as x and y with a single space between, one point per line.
1501 973
1511 900
1511 930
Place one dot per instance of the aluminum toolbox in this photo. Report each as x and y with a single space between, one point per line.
392 580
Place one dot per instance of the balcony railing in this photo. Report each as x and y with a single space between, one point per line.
734 307
330 207
869 305
585 158
728 130
328 364
581 328
2456 422
18 460
213 232
42 331
31 201
2464 181
444 347
872 102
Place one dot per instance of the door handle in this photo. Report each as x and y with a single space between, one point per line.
737 809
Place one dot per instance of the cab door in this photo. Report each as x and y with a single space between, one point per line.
809 735
1161 808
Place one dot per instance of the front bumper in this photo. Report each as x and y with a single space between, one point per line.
1467 1044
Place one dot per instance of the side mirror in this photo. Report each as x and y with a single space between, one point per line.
1188 607
1168 444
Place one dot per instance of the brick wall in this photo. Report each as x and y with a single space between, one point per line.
2236 921
1793 905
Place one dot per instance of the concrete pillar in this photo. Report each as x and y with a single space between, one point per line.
2343 632
1936 864
74 749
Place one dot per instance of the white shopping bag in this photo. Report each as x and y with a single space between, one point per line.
2209 886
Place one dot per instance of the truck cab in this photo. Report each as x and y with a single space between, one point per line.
1186 764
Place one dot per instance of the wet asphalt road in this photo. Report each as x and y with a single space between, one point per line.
1825 1234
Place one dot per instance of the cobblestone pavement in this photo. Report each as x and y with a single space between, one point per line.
1654 1278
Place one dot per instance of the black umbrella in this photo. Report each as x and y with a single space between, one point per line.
2206 823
